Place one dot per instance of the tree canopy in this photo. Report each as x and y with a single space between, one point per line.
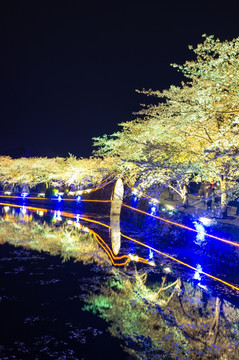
190 129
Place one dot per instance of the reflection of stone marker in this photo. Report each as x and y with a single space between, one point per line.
117 199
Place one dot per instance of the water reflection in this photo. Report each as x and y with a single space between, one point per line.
151 320
115 233
200 236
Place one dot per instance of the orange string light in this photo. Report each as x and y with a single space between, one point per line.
180 262
182 226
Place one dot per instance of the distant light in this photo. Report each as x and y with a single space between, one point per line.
78 198
59 198
77 218
69 222
88 190
41 195
205 221
24 194
153 210
71 193
41 213
135 192
61 193
154 201
7 192
170 207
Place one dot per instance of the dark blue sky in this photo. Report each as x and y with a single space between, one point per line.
69 72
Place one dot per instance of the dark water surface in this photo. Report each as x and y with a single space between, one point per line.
41 298
41 302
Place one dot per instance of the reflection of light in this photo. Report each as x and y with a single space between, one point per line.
151 254
77 218
133 257
167 270
59 198
204 287
152 263
6 208
23 210
205 221
200 237
196 275
24 194
57 215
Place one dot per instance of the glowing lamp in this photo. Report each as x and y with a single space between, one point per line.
205 221
78 199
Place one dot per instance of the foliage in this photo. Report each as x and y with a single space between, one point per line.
192 132
174 321
33 171
64 241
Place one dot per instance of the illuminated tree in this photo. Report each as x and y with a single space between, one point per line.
32 171
194 127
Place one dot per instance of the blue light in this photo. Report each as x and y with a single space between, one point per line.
197 275
200 237
23 210
135 199
153 209
151 254
78 199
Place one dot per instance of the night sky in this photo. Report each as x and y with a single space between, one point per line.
69 72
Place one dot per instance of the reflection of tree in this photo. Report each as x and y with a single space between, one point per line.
64 241
174 321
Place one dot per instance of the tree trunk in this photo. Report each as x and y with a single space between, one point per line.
223 185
